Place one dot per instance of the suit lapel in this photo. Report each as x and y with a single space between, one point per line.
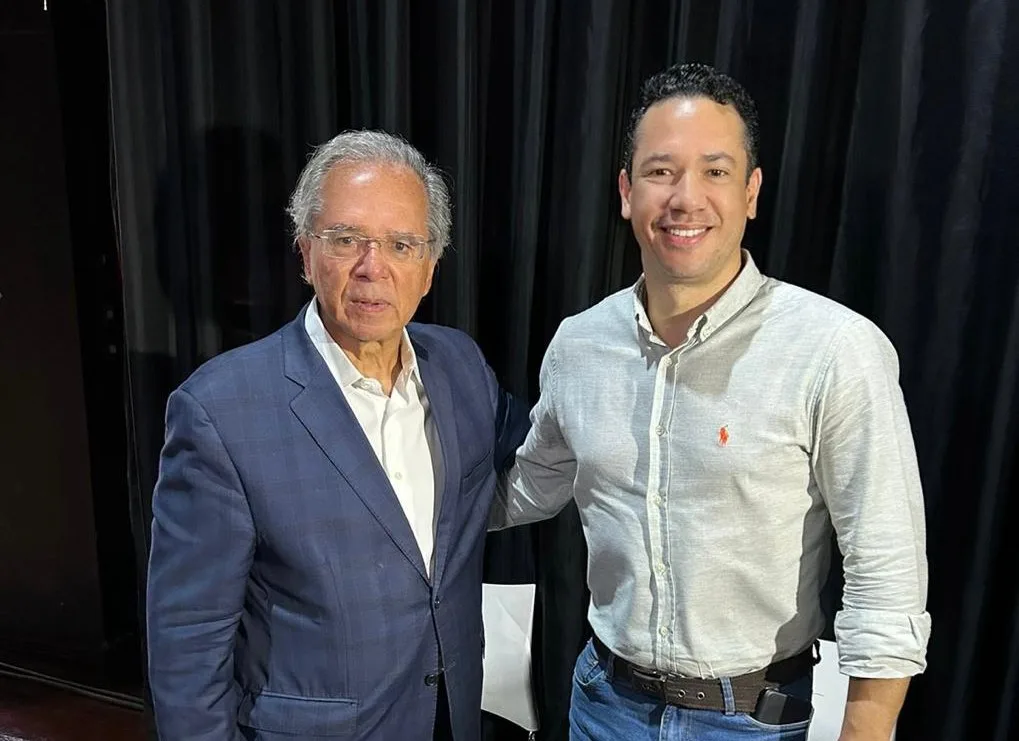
324 412
440 402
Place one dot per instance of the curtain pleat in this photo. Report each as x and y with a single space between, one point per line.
890 153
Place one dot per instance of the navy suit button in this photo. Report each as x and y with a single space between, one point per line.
437 601
431 679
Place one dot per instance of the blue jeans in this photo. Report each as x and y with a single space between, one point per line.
604 710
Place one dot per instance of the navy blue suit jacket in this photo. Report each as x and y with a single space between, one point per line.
287 597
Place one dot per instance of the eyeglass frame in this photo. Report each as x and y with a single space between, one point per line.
364 243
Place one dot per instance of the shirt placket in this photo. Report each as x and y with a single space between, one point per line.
396 462
657 502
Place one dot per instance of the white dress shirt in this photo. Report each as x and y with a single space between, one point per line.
708 478
399 427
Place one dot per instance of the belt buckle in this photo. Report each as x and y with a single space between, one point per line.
652 684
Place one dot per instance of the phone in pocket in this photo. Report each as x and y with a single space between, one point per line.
777 708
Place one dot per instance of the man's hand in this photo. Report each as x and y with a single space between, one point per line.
872 708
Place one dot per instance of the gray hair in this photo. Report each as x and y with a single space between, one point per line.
370 146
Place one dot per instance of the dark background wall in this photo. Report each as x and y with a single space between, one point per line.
68 588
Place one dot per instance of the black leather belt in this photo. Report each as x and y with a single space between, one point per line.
706 694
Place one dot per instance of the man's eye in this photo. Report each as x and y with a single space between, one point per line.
659 173
402 248
345 239
717 173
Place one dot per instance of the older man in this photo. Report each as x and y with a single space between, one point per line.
323 493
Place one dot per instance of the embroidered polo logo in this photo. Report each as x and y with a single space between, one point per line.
723 436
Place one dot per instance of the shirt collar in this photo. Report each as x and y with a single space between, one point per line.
640 308
343 369
739 293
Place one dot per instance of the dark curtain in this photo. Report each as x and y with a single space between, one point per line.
890 148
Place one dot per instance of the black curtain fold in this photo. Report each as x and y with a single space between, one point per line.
890 149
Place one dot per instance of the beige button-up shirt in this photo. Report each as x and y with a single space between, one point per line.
708 478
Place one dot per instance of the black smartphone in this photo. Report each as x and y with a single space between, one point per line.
777 708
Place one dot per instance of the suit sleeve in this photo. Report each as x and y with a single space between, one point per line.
511 425
510 413
203 542
539 483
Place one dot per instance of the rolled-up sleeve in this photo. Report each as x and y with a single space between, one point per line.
864 463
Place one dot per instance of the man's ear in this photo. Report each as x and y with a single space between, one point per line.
753 191
304 245
428 278
624 193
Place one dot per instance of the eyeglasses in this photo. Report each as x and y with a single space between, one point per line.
348 245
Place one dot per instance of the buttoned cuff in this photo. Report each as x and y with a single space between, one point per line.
880 644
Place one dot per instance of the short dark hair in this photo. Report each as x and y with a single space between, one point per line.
695 80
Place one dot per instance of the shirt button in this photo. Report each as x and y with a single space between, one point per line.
660 430
661 568
398 476
663 631
431 679
656 500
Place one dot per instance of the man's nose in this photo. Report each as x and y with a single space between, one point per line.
687 193
371 264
